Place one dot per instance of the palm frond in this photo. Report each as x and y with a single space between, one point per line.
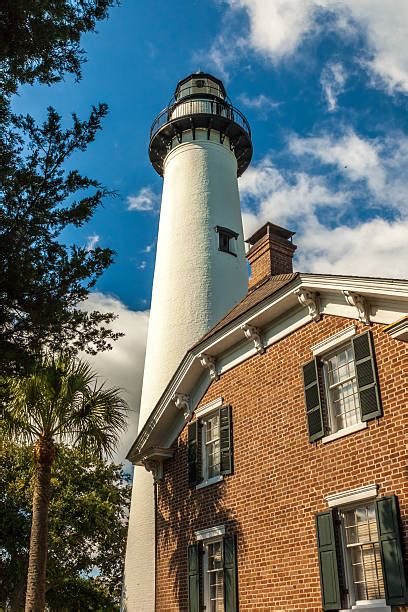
100 419
61 399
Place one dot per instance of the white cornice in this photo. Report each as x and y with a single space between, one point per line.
398 330
376 286
261 316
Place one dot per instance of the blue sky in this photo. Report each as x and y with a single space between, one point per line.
324 85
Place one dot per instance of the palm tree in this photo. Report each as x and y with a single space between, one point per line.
61 401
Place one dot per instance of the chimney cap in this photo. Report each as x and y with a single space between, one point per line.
270 229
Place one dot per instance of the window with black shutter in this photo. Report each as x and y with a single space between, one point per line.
212 575
341 388
361 544
210 447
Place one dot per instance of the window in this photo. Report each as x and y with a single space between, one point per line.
363 558
341 389
360 556
212 572
211 458
226 240
210 447
213 576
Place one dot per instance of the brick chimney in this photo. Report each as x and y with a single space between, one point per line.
270 253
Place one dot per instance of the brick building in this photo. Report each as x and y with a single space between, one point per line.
279 448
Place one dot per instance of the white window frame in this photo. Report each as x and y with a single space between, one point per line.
201 413
356 604
206 480
328 389
209 536
325 349
206 579
343 501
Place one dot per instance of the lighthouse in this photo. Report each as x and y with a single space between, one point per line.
200 144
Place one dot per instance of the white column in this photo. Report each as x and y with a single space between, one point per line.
194 285
139 577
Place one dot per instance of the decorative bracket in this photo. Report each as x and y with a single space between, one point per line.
155 467
182 402
254 333
153 461
360 303
207 361
310 300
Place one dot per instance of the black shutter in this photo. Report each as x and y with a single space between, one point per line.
225 440
230 574
366 371
193 578
313 401
328 560
395 583
192 453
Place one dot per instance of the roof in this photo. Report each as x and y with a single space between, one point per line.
264 307
255 295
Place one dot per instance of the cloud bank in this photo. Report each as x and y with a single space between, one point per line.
346 175
277 28
123 365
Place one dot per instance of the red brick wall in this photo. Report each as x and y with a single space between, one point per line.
280 479
269 257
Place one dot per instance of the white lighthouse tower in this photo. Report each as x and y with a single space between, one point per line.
200 144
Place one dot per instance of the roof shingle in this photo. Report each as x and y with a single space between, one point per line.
255 295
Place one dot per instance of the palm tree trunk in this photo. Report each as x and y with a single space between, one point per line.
37 564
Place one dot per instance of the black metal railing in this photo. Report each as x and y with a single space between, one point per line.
198 106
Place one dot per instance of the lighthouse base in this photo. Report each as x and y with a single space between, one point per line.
139 578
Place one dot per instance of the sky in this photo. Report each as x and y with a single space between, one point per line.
324 86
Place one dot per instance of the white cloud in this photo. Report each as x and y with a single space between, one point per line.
372 248
380 162
308 204
355 157
333 79
149 247
269 195
123 365
261 103
386 26
278 27
146 200
92 241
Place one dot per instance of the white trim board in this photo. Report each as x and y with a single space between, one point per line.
210 532
333 341
352 495
202 410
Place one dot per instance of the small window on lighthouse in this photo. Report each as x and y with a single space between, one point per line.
226 240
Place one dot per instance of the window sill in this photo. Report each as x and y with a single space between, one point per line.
210 481
377 605
344 432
